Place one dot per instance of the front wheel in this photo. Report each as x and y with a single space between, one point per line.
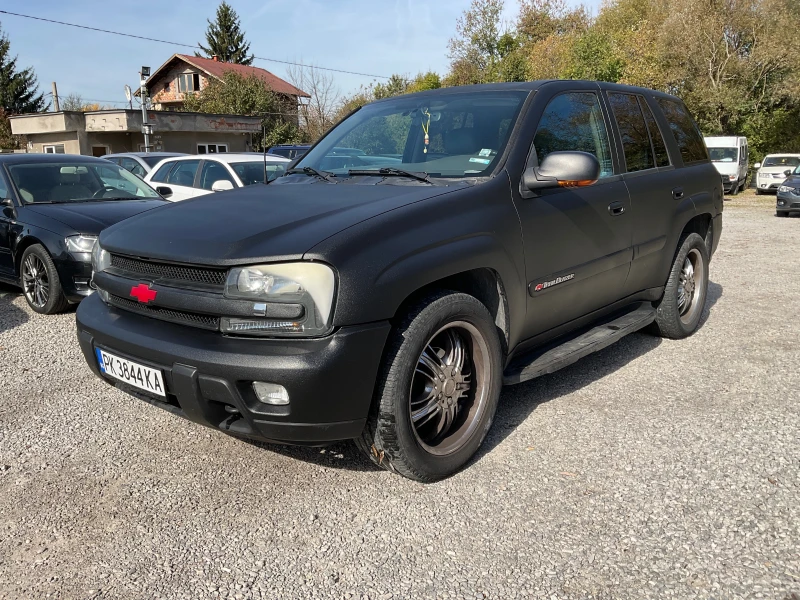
438 390
678 314
40 283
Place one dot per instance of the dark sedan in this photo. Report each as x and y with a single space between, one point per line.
53 208
789 195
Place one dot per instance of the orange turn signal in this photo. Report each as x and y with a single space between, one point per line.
581 183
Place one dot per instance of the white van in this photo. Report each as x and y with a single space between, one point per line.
730 155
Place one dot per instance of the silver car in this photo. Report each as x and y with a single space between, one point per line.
140 163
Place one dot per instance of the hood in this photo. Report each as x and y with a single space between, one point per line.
727 168
276 222
793 181
771 170
92 217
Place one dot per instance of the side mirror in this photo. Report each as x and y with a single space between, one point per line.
165 191
757 166
563 169
223 185
7 202
788 172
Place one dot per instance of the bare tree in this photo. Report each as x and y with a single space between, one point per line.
318 114
72 102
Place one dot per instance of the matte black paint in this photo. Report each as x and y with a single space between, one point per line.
388 242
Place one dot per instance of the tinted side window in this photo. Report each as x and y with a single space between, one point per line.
687 135
659 147
183 173
213 171
132 166
632 128
163 171
574 121
3 188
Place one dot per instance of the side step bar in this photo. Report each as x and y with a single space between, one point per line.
542 362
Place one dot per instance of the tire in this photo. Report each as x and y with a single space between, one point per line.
40 283
759 192
678 316
462 401
735 189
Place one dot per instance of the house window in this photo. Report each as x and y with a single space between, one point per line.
211 148
189 82
167 87
54 149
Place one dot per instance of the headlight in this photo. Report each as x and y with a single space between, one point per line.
101 260
81 244
289 299
733 177
785 188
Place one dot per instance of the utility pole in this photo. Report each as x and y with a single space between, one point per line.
56 107
147 129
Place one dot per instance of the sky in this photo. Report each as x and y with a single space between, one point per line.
376 37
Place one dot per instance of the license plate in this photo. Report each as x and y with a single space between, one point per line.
127 371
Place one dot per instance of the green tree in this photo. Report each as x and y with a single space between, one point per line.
19 89
474 50
425 81
225 38
249 96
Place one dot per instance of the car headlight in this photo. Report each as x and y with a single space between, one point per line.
101 260
81 244
733 177
785 188
289 299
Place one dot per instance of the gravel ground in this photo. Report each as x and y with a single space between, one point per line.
654 469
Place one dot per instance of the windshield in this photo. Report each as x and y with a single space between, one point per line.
723 154
152 161
781 161
253 172
74 182
452 135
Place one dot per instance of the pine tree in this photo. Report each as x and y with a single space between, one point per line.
19 90
226 39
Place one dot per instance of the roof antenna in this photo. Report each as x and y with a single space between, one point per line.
264 146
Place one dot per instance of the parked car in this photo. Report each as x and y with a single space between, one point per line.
186 177
730 156
53 208
528 225
140 163
291 151
772 172
788 200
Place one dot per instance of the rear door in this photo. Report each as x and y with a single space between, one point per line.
211 172
577 240
180 176
651 182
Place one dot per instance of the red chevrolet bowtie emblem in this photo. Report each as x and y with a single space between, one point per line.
143 293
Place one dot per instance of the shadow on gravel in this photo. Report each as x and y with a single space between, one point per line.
10 315
343 455
712 296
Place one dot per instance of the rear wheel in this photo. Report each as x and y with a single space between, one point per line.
678 314
40 283
438 390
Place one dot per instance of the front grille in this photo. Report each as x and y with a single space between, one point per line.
166 314
134 268
795 205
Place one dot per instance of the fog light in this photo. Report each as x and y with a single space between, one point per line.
271 393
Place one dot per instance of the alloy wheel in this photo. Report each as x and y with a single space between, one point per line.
35 281
690 286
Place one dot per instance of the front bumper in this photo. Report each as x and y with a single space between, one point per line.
209 376
769 185
787 202
74 276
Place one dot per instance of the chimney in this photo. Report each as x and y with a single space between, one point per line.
215 58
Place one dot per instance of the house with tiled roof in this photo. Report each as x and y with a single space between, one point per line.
183 74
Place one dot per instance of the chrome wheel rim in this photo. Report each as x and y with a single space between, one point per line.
449 389
690 286
35 282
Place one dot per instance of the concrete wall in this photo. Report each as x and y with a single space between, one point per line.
46 122
70 140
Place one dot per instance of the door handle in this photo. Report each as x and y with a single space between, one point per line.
616 208
677 193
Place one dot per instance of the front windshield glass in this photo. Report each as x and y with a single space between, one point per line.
253 172
723 154
77 182
781 161
153 160
455 135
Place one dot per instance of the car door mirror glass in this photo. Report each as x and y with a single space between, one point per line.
165 191
7 202
221 185
563 169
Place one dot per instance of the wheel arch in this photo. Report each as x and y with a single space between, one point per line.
22 245
483 283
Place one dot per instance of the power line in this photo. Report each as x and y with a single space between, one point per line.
193 46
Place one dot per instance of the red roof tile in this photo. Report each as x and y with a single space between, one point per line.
218 69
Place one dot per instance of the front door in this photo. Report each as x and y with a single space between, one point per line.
577 240
7 218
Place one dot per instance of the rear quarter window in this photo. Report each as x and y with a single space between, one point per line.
687 134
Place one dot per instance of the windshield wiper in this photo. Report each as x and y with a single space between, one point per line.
392 172
324 175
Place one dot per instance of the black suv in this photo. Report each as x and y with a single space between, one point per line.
487 235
